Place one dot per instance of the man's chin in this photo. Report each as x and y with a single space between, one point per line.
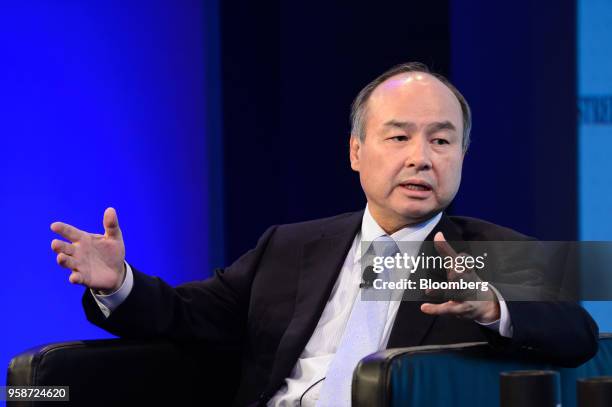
417 215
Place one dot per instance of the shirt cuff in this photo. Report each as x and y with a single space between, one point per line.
504 324
109 303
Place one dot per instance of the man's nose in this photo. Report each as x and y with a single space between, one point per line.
418 155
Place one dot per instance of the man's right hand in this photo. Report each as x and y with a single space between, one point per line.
96 261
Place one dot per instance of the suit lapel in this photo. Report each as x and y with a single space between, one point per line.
322 260
411 324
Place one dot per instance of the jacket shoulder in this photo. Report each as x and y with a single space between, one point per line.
478 229
323 226
322 221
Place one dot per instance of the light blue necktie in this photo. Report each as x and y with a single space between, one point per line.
361 337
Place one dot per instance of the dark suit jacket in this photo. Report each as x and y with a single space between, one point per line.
267 305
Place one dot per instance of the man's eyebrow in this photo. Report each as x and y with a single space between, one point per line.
400 125
437 126
431 128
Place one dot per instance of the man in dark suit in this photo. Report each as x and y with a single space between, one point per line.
292 303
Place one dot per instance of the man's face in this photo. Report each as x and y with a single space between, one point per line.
411 159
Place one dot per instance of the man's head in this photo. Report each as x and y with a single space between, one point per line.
410 131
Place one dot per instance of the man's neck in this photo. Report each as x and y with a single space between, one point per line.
392 224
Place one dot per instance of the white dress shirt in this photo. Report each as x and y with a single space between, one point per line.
303 385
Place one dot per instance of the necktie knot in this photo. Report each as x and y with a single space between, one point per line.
385 246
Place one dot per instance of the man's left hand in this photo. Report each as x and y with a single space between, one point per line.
485 311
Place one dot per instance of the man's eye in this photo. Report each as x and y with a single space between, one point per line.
440 141
399 138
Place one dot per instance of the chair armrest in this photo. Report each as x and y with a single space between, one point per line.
380 374
116 371
464 374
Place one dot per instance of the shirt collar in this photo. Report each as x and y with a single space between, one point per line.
371 230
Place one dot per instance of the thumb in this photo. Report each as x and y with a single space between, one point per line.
442 246
111 223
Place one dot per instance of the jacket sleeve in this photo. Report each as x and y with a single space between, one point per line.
562 333
213 310
547 324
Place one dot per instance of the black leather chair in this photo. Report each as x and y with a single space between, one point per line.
116 372
125 372
465 374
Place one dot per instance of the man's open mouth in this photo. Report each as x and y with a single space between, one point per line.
416 186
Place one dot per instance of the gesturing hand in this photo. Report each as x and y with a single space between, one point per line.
483 311
96 261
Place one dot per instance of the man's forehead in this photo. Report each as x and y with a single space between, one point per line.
409 87
409 77
408 81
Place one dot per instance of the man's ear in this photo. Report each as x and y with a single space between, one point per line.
354 151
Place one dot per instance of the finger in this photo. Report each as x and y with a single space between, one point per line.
67 231
446 250
76 278
111 223
448 308
59 246
66 261
442 246
451 294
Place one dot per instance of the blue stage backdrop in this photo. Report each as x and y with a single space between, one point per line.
595 131
544 169
104 103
